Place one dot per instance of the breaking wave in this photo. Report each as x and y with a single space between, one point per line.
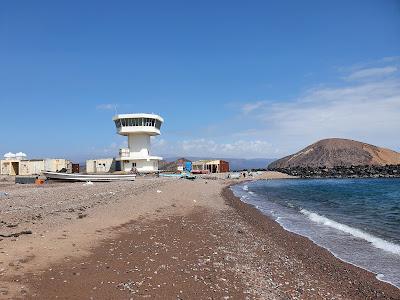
375 241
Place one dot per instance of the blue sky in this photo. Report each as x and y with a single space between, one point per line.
230 78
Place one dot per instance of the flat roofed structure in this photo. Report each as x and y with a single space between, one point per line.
101 165
210 166
34 166
138 128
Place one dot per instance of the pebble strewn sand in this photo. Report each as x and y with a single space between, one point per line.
161 238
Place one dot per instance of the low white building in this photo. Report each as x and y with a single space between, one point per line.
101 165
30 167
9 167
12 165
210 166
57 164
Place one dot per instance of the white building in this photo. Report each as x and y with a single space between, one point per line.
16 165
101 165
10 165
138 128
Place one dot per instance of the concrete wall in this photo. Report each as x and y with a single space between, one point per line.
139 145
54 165
36 166
24 167
31 167
9 167
142 165
4 167
102 165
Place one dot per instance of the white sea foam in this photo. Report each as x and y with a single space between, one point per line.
245 188
375 241
244 197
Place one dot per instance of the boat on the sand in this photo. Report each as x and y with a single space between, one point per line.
89 177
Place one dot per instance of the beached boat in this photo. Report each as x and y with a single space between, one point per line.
170 175
181 175
89 177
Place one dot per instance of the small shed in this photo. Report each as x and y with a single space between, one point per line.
9 167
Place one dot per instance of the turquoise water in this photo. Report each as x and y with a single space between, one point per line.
358 220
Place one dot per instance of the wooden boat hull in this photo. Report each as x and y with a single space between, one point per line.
89 177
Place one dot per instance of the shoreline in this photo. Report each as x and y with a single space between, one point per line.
298 243
375 249
193 239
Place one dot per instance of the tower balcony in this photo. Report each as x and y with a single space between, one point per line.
149 124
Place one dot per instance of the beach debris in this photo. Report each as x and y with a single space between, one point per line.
88 183
23 179
81 216
158 191
130 286
16 234
11 225
3 194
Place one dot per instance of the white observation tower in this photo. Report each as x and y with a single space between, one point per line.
138 128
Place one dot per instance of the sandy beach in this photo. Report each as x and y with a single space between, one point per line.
161 238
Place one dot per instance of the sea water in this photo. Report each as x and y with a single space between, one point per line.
358 220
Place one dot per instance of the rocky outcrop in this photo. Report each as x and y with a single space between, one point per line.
366 171
339 158
335 152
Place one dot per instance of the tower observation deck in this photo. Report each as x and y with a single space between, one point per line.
138 128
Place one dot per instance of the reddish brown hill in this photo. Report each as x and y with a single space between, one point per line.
338 152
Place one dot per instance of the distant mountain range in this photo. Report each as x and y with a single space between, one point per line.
338 152
234 163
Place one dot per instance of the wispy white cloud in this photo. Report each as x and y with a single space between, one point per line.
239 148
110 150
158 143
210 148
373 73
367 111
390 59
252 106
365 108
106 106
